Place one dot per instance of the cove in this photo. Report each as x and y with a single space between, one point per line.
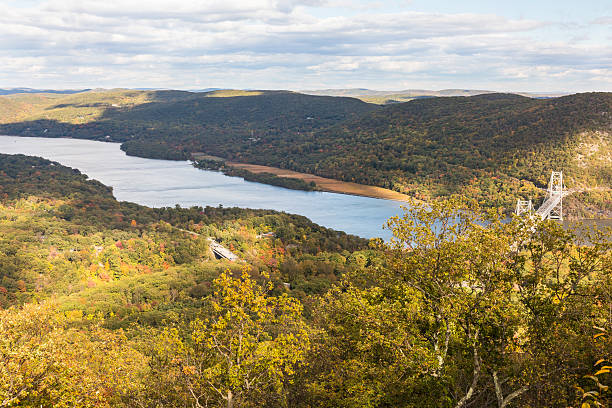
165 183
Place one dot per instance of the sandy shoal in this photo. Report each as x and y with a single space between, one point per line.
326 184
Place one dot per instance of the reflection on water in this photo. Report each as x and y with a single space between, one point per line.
581 226
601 224
161 183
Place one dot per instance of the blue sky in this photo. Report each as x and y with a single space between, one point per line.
537 45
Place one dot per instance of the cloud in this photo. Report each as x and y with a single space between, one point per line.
603 20
287 44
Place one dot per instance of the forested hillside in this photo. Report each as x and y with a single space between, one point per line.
85 234
173 124
112 304
493 147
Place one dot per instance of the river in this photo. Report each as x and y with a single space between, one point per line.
165 183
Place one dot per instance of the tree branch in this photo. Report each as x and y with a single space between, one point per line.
501 401
476 374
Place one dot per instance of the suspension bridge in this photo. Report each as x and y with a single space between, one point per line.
552 207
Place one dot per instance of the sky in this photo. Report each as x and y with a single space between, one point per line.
516 46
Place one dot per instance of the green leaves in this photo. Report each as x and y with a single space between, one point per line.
463 297
250 344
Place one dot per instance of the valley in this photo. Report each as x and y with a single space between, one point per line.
163 183
305 204
126 273
493 147
124 260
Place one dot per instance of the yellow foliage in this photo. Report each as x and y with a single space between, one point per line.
45 362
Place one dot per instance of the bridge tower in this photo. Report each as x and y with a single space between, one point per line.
523 207
556 192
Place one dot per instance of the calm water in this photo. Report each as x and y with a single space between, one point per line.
162 183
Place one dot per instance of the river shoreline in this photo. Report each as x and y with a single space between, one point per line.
166 183
323 183
326 184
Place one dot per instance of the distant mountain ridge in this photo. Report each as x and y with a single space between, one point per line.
368 95
386 97
413 92
11 91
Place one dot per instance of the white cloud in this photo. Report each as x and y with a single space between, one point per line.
283 44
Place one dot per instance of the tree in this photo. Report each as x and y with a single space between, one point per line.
44 362
596 393
421 324
561 281
467 309
249 347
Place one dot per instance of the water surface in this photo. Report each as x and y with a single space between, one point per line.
165 183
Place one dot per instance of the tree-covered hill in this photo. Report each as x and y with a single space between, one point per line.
112 304
49 208
493 147
172 124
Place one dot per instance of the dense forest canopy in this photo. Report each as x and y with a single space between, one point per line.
112 304
492 147
60 210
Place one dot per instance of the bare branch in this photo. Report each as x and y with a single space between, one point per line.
501 401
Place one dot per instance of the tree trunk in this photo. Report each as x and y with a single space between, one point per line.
230 399
463 401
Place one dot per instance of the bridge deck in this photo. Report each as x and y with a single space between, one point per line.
549 205
222 251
